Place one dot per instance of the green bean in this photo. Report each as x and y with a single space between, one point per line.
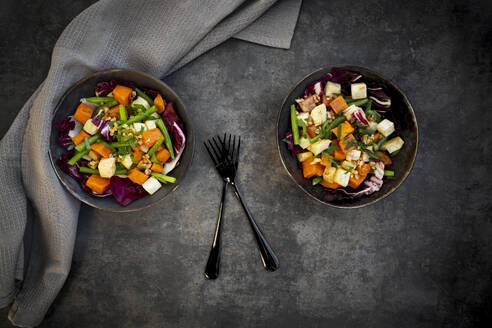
393 154
84 169
77 156
141 116
98 100
91 140
87 144
304 128
107 144
358 102
389 173
140 106
123 113
313 140
317 180
369 111
121 172
366 131
335 123
157 144
295 128
169 144
122 144
142 94
163 178
380 142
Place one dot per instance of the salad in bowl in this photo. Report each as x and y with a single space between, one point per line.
345 137
123 142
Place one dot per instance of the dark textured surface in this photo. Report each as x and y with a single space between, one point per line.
420 258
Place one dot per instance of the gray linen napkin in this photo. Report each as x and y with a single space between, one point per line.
156 37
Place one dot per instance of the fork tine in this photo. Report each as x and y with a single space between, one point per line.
210 153
233 149
223 141
221 152
230 151
236 161
215 151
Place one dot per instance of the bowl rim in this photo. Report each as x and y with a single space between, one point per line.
407 103
108 71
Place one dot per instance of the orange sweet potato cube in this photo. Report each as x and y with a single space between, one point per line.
83 113
97 184
338 104
150 137
122 94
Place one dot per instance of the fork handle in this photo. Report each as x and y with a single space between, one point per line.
213 263
268 257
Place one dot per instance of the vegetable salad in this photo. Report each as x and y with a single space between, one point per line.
343 135
123 141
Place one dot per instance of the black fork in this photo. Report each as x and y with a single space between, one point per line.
226 161
218 156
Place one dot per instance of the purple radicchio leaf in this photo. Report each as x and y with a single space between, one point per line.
343 76
102 125
318 86
125 191
179 143
355 113
150 92
73 171
169 116
104 88
380 100
69 128
294 149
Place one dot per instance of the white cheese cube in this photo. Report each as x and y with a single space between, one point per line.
358 90
316 160
150 124
304 156
319 146
341 177
348 165
353 155
90 127
386 127
329 174
127 161
151 185
137 127
318 114
107 167
332 88
141 101
304 116
393 145
304 142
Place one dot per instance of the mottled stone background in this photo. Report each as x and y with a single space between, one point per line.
419 258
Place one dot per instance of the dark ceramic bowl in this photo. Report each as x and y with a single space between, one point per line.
85 88
402 163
